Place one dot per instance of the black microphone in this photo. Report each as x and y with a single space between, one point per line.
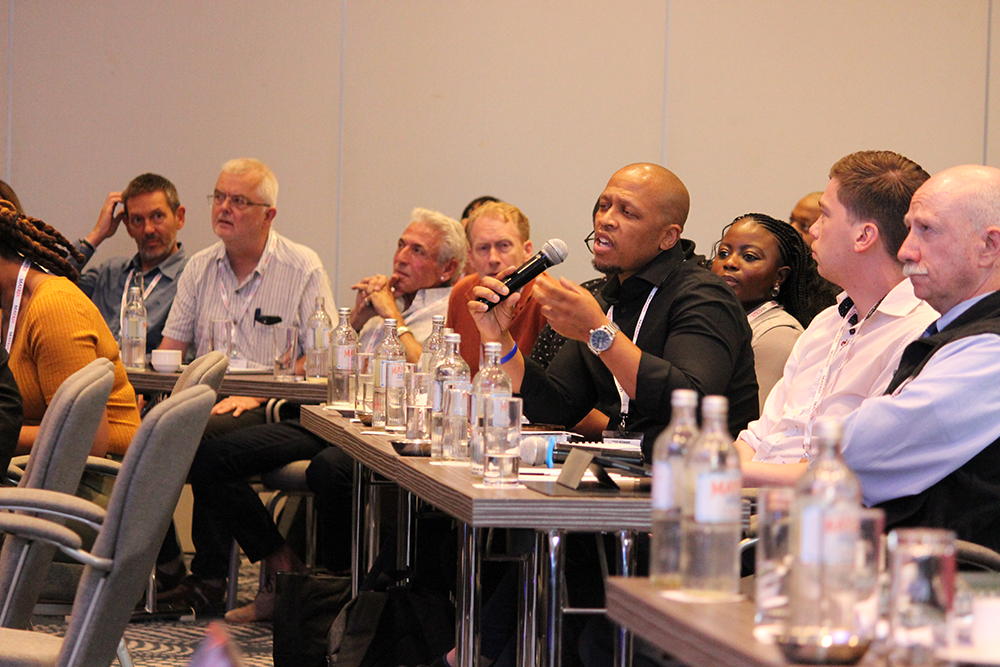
553 252
536 450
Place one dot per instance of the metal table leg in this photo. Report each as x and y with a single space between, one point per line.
358 532
553 595
527 621
467 619
626 554
406 530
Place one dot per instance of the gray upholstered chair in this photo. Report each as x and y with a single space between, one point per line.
208 369
129 536
56 463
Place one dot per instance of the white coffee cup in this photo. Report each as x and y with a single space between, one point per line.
166 361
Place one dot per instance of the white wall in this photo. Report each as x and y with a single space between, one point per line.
437 102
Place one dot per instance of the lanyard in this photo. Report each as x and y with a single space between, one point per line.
635 337
145 295
258 279
760 310
16 305
824 377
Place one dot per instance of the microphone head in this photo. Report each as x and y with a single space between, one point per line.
556 250
534 449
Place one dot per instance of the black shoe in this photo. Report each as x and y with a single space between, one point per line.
194 594
166 581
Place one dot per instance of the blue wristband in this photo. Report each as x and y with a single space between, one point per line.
510 355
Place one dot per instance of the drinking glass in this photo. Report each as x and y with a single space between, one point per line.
223 332
418 404
773 559
920 599
286 343
455 427
365 385
502 440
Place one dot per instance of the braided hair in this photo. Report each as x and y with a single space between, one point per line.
33 239
804 292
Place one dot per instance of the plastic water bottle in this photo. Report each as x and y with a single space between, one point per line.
669 468
824 531
133 334
711 510
452 368
433 343
341 383
318 328
389 409
491 380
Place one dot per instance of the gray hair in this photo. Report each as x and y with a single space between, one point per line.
453 245
267 182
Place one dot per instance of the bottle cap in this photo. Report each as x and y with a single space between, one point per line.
684 398
390 322
492 347
437 319
714 406
453 338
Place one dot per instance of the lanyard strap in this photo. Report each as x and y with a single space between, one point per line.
145 295
825 375
16 305
623 397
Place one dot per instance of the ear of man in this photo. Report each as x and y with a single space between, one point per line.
866 236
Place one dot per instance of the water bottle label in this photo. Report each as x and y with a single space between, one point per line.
345 357
664 491
395 373
828 535
717 497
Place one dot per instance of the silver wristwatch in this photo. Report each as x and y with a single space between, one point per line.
601 338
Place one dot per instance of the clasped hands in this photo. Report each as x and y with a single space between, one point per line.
376 295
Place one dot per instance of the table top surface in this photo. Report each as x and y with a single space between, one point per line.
697 634
237 384
451 488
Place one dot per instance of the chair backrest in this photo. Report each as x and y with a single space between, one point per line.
145 494
57 459
208 369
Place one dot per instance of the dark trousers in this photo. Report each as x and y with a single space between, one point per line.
330 477
226 506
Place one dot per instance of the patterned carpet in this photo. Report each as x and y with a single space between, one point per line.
172 643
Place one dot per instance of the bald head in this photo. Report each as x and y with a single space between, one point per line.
805 213
640 214
952 250
667 194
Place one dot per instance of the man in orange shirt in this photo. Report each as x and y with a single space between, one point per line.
498 235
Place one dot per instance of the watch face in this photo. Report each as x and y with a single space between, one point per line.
600 339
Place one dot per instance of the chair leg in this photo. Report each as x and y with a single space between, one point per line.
234 576
124 657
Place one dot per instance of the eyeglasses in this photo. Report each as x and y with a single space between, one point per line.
589 242
238 202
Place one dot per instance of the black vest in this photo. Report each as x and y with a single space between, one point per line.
966 501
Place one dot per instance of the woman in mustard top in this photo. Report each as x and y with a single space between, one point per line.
51 329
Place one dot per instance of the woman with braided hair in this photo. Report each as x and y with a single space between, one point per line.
51 329
772 271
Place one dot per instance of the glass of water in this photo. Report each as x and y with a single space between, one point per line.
418 404
286 345
222 336
502 440
365 385
455 428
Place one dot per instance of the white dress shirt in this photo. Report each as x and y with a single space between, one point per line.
850 367
418 317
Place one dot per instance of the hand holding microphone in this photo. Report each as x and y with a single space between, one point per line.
553 252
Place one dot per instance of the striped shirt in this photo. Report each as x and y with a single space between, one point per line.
286 281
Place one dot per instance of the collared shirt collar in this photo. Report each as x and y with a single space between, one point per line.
269 249
429 295
170 267
900 301
954 313
654 273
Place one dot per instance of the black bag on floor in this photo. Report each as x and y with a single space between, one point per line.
397 626
305 607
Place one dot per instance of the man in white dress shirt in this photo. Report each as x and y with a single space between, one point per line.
849 351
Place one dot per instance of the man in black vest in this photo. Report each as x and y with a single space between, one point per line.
928 451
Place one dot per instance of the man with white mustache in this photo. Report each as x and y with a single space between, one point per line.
849 351
928 450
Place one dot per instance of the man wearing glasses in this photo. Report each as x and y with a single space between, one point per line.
251 276
152 215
